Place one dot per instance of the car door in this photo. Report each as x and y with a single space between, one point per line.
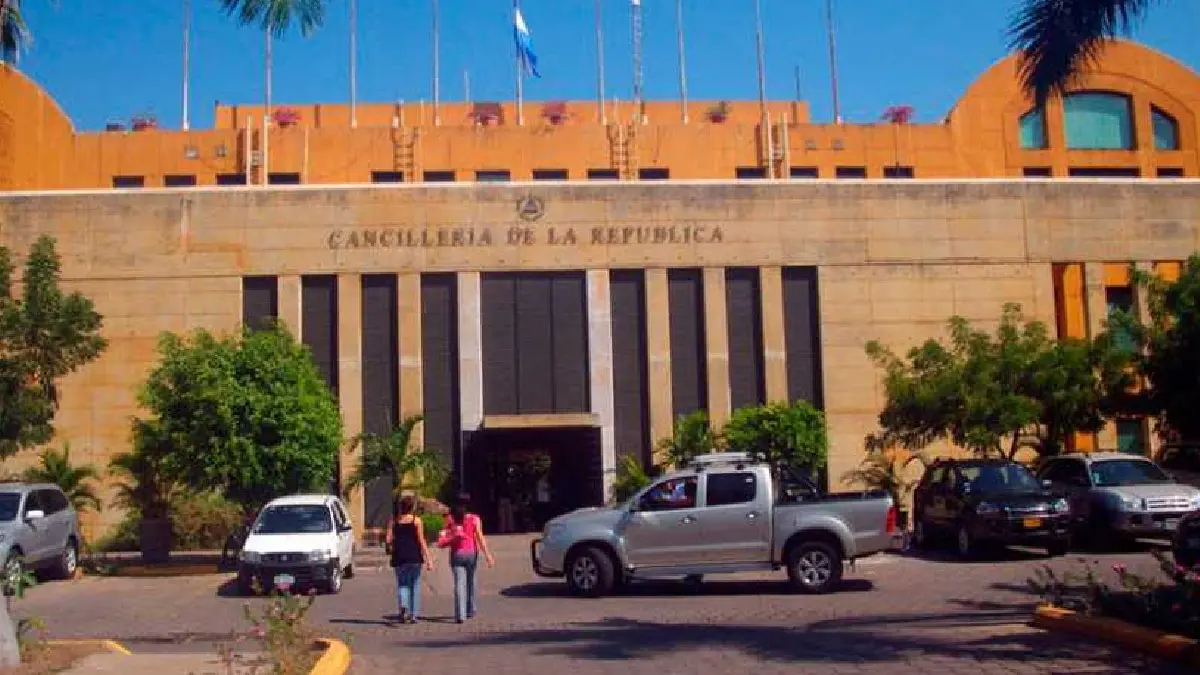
58 520
735 518
664 528
345 534
934 503
32 534
1070 476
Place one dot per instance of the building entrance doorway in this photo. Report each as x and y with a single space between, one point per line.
520 478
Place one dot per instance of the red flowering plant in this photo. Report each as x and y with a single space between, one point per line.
285 117
284 642
1170 603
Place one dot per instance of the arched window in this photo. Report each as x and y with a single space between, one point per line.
1166 130
1098 120
1033 129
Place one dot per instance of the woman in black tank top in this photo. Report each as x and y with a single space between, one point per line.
406 544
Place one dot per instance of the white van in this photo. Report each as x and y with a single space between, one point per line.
300 541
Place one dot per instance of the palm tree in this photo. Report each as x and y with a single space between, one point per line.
393 456
1058 39
75 481
14 35
276 18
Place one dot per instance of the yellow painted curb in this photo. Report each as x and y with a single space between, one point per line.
1156 643
335 660
110 645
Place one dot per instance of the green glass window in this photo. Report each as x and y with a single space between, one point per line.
1097 120
1033 130
1166 130
1120 301
1131 437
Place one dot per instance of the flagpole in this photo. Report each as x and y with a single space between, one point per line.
833 74
353 63
467 87
683 95
520 70
600 63
762 77
636 29
187 60
437 65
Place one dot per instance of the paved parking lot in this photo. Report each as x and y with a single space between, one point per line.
896 614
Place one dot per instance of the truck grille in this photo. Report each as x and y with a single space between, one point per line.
1168 504
1029 510
276 558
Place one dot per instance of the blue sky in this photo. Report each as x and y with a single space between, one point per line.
119 58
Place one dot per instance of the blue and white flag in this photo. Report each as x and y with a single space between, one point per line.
524 44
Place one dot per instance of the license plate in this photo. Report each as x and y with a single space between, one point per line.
1032 523
284 580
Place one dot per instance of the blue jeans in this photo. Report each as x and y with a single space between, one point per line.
408 588
463 567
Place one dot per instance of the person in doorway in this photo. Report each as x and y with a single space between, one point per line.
463 535
406 544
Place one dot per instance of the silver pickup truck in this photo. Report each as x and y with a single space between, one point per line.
722 514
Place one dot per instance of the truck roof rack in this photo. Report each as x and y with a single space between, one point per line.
720 459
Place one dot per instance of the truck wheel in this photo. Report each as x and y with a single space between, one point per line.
590 573
967 548
814 567
1058 547
921 539
68 561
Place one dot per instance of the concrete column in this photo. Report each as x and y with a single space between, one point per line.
349 323
716 341
600 354
408 314
658 347
1097 316
289 303
1141 305
774 341
470 351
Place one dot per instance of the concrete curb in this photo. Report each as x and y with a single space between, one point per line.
1166 646
335 660
109 645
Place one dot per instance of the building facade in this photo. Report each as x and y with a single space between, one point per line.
562 319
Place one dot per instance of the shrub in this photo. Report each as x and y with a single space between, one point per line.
433 522
199 521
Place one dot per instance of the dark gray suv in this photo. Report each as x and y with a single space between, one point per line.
38 529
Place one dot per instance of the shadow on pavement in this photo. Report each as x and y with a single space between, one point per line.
865 640
657 589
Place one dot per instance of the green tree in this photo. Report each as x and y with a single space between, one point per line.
1058 39
630 478
246 414
44 335
14 34
1166 353
780 434
392 456
76 482
990 394
885 470
691 436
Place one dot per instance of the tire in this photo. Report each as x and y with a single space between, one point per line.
921 538
12 568
245 586
814 568
1058 548
68 561
967 548
348 573
334 585
590 573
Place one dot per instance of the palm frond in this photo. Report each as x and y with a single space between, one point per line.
277 16
14 34
1058 39
56 469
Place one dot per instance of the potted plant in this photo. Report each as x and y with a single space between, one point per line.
146 488
487 114
144 121
719 112
555 112
884 470
285 117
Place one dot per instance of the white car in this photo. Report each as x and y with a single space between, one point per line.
300 541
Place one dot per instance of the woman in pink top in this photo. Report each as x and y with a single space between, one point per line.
464 537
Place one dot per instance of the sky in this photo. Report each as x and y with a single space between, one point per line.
119 58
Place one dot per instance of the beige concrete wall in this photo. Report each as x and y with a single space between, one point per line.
895 260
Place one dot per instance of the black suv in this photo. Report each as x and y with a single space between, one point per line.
979 502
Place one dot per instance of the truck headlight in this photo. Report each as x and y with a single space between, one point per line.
252 557
1194 503
1132 504
318 556
1060 506
987 509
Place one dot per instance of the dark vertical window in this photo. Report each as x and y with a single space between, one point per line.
493 176
231 179
1131 436
654 173
1170 172
260 302
631 395
898 172
319 311
803 172
284 178
689 352
802 334
380 378
439 176
550 174
179 180
1103 172
387 176
603 174
743 307
749 172
568 298
1119 300
1036 172
439 367
128 182
851 172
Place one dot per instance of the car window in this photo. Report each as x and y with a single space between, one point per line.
937 476
670 495
982 478
339 515
9 503
294 519
724 489
53 501
32 503
1117 472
